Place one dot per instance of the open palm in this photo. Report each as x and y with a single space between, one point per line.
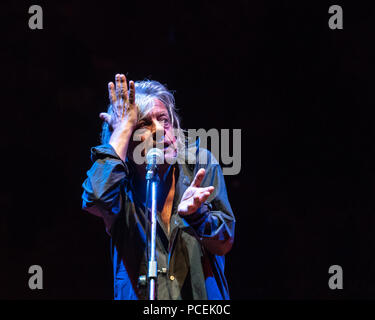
194 195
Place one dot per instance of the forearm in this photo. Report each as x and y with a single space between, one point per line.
215 229
120 140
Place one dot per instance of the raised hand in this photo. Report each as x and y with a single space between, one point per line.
123 115
124 112
194 196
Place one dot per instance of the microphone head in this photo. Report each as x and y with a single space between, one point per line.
154 156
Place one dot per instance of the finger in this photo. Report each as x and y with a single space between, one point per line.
118 85
198 178
208 189
111 93
197 201
124 87
132 93
203 197
105 117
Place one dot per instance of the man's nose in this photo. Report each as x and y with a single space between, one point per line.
158 132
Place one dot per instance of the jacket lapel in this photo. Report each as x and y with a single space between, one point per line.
183 182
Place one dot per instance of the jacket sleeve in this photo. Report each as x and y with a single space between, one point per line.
214 221
103 188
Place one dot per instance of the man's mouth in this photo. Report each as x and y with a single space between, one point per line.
165 146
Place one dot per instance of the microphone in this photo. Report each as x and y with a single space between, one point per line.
154 156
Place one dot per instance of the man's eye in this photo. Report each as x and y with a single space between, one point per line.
165 121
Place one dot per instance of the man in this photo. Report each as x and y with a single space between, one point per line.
195 221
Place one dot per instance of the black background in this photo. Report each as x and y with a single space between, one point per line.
301 93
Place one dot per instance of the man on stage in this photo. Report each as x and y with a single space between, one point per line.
195 220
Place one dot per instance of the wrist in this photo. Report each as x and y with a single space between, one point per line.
119 140
121 133
197 215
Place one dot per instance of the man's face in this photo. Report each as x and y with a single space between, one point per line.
155 130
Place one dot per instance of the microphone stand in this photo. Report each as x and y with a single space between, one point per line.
152 179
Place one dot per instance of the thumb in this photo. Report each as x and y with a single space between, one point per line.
105 117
